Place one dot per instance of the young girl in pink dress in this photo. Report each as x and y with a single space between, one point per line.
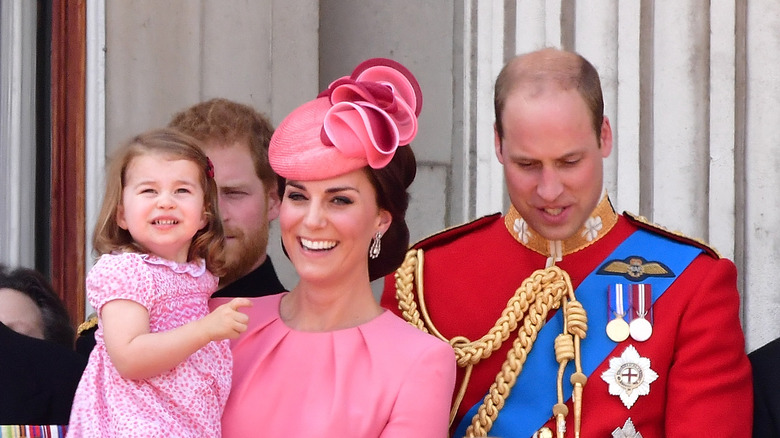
161 365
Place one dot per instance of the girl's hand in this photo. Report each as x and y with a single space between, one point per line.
226 321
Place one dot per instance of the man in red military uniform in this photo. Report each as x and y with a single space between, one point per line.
567 318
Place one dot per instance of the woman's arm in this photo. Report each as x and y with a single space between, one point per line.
139 354
423 405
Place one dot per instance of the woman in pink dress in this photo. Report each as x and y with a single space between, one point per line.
325 360
161 365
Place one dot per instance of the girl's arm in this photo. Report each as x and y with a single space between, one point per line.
139 354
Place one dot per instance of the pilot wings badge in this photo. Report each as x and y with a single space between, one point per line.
635 268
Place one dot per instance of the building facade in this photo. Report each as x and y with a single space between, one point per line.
692 90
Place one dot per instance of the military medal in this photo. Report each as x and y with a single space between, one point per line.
629 376
640 327
617 328
627 431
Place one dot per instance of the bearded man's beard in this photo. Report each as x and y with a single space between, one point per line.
243 251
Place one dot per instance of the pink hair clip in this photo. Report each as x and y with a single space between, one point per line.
209 168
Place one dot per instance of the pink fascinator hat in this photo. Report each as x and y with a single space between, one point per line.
360 120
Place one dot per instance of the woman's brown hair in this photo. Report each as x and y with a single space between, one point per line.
391 183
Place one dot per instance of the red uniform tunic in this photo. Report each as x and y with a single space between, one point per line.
697 346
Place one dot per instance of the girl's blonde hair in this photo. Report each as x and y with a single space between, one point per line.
207 244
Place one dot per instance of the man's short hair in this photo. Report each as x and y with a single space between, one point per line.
224 122
550 68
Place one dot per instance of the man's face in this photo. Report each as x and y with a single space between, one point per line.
552 161
246 206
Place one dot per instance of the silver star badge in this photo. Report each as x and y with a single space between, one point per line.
628 431
629 376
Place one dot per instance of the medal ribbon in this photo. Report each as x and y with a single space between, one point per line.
529 406
640 296
617 307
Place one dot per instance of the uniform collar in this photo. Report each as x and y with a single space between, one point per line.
598 224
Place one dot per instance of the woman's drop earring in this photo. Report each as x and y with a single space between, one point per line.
376 245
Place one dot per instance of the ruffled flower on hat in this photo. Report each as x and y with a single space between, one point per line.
374 111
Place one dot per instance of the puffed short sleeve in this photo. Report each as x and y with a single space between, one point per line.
423 405
120 276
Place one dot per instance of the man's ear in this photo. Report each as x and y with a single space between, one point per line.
606 137
273 201
497 144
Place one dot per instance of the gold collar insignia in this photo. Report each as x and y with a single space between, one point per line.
598 224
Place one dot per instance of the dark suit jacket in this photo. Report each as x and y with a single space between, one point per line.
37 379
766 390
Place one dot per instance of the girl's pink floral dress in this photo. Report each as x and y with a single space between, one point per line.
186 401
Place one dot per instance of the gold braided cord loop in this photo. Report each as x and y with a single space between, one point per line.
471 352
549 286
526 312
564 348
577 324
404 285
576 319
466 351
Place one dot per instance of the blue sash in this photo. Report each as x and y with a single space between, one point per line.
530 403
